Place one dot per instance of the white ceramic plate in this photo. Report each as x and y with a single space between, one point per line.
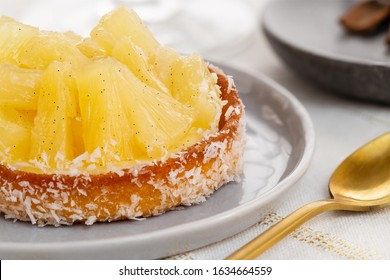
279 148
308 36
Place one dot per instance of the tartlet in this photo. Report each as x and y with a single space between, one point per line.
154 178
185 178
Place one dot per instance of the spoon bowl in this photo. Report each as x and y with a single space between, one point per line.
360 183
364 176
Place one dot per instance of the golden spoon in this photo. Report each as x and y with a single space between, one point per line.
360 183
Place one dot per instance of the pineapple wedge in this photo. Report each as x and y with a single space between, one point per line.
14 141
153 121
51 136
15 131
39 51
17 86
90 48
194 85
24 118
13 35
120 23
124 36
164 61
86 46
136 60
103 111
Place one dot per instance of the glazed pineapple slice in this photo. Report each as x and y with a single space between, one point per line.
14 141
121 112
17 86
51 136
189 80
13 35
24 118
124 36
105 118
164 61
159 120
15 127
90 48
86 46
39 51
137 61
194 85
120 23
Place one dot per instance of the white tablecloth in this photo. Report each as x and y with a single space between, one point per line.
341 126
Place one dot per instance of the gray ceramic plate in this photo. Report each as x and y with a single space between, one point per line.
279 148
309 38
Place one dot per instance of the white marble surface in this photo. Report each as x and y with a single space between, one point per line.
341 126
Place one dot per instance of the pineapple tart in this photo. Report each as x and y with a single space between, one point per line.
111 127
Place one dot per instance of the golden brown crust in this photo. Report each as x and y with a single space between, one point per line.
141 191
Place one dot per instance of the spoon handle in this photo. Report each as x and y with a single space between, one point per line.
281 229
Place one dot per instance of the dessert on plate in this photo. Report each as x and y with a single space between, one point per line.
110 127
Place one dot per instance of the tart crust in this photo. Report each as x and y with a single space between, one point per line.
149 189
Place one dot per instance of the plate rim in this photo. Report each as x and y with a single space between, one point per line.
72 247
322 54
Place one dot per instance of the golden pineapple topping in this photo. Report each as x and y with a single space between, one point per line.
70 104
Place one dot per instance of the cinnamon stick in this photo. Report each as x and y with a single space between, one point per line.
365 17
388 36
